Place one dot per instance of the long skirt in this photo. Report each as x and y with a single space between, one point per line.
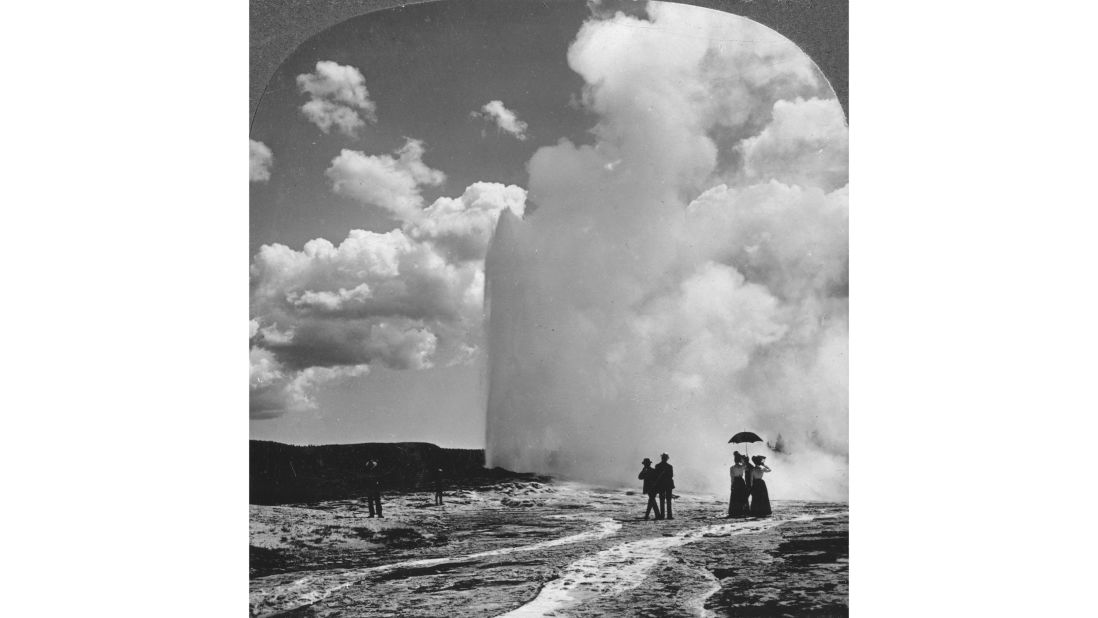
760 499
737 502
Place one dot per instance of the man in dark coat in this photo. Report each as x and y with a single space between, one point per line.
373 487
436 478
648 475
665 482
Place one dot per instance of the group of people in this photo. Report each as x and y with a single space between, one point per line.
749 496
658 481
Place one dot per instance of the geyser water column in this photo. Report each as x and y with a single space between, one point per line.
684 275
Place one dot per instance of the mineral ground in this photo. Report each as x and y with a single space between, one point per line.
525 548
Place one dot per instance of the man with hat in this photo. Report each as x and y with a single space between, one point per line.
373 487
665 482
648 475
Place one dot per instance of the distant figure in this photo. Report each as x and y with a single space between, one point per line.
437 474
760 499
648 475
665 482
373 487
737 501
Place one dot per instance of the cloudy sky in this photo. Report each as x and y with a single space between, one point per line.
384 151
381 153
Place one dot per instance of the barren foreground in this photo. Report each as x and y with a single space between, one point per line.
546 549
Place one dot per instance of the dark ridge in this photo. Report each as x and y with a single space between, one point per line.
283 473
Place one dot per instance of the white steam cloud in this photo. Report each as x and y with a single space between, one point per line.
685 275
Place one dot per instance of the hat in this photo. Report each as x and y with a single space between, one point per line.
646 461
665 456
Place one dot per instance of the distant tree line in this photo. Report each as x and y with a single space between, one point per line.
281 473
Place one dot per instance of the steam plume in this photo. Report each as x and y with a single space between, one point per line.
684 276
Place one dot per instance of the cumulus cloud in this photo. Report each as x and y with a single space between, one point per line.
368 274
260 161
410 298
684 276
397 343
275 390
461 227
391 182
337 97
376 297
504 119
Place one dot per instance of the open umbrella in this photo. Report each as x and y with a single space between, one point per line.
745 437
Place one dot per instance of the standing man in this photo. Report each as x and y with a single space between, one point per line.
438 486
648 475
665 482
373 487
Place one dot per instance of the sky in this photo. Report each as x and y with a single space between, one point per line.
385 149
427 73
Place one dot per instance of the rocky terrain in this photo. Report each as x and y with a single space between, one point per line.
530 548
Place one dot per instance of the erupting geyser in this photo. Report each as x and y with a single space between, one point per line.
684 276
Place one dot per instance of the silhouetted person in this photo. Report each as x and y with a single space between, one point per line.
760 498
737 501
648 475
665 482
437 477
373 488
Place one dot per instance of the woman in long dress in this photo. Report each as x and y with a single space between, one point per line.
737 502
760 499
